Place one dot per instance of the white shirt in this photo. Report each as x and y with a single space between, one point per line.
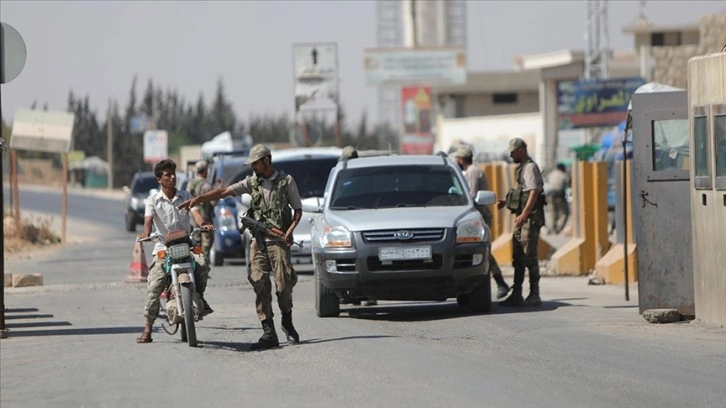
166 215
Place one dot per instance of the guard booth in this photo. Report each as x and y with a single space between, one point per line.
660 195
707 98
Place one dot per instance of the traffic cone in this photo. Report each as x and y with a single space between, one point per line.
139 270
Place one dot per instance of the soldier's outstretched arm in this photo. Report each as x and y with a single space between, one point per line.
215 194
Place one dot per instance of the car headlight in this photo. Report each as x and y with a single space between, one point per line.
472 230
335 236
226 219
137 203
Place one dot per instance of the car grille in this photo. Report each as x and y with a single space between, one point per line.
430 234
374 264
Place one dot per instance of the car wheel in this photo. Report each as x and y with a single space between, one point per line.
130 224
480 299
326 302
215 257
463 300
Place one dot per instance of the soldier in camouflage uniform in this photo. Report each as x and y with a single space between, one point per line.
527 202
164 216
198 186
276 201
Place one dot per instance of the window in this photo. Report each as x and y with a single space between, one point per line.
665 39
719 132
700 137
670 145
399 186
499 98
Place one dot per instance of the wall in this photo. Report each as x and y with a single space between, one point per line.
482 105
670 64
491 134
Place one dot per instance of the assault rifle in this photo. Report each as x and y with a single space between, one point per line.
264 230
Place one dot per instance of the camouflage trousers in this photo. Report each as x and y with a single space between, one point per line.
158 280
494 268
524 254
206 241
273 260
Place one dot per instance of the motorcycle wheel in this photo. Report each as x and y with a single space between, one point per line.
191 334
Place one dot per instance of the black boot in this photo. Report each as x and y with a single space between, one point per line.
289 329
515 299
269 338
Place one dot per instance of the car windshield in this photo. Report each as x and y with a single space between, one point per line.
144 184
310 174
399 186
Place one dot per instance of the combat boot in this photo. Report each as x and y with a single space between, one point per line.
515 299
269 337
533 298
289 329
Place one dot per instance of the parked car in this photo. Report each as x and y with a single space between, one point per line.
227 239
400 228
310 167
142 183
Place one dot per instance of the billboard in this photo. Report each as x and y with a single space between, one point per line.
594 103
155 146
401 66
416 115
42 131
315 69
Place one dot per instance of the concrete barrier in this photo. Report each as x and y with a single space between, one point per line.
590 221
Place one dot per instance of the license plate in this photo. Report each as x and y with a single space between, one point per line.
401 253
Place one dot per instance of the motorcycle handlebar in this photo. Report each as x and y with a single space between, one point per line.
155 236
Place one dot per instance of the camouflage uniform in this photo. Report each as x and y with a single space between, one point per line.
526 237
272 200
198 186
159 280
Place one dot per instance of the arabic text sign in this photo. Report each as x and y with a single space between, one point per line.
582 104
42 131
155 146
421 65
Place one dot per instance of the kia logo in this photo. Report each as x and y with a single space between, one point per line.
403 235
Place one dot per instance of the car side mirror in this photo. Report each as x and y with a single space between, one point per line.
126 189
153 191
311 208
485 197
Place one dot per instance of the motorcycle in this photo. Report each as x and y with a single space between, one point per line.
183 306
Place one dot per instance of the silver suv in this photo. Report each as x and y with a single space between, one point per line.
400 228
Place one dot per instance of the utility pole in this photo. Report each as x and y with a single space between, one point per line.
109 148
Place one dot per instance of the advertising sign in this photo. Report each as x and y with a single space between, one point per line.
155 146
315 72
416 113
421 65
594 103
42 131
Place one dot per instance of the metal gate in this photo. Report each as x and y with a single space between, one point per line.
661 201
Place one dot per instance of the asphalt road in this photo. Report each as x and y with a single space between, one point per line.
71 343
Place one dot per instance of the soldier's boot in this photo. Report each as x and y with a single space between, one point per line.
269 337
289 329
533 298
515 299
502 287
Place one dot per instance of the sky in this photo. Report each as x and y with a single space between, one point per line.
96 47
